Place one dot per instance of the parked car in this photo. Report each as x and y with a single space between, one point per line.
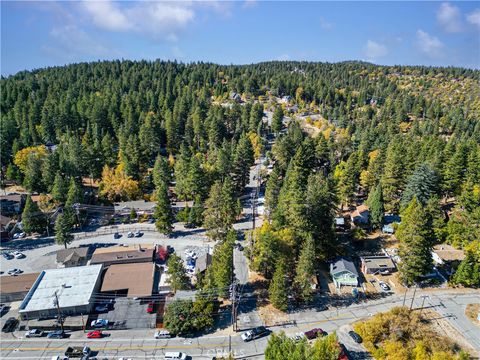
191 271
314 333
162 334
58 334
357 338
384 286
101 308
7 256
77 351
19 235
130 234
99 323
10 325
255 333
14 272
34 333
18 255
175 355
150 307
4 309
96 334
138 233
239 247
297 337
117 235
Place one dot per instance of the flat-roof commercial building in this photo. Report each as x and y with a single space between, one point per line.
123 255
74 287
15 288
130 280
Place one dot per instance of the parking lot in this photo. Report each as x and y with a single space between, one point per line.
128 314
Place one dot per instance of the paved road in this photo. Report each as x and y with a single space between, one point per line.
135 344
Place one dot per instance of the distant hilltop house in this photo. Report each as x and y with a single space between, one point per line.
344 273
360 216
377 265
235 97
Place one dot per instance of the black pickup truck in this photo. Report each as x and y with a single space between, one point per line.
77 352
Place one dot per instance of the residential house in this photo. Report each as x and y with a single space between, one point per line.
389 223
445 254
12 204
360 216
235 97
5 227
286 99
72 257
381 264
344 273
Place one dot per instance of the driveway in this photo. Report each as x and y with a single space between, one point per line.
355 351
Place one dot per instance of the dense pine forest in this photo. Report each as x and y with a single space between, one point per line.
405 139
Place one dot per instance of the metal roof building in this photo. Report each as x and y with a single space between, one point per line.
73 286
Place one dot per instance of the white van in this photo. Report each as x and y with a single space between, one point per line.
175 355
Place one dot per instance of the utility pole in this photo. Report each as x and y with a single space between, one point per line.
405 296
413 297
423 302
234 295
57 304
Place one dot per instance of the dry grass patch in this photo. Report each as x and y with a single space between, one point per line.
472 312
402 334
272 316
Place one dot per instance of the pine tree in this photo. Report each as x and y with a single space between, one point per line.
178 275
348 178
454 171
196 179
306 270
277 120
415 235
272 192
182 166
278 289
59 189
393 175
375 203
221 209
33 175
222 263
63 234
163 210
422 184
161 171
320 205
33 220
195 217
243 158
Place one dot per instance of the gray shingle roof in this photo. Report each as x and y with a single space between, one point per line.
343 265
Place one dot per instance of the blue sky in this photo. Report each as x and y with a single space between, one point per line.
39 34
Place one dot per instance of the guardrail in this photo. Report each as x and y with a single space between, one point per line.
107 230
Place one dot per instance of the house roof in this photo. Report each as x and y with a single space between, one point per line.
139 205
137 278
17 284
340 221
448 253
360 211
202 262
12 197
4 220
342 265
122 254
378 262
74 287
67 254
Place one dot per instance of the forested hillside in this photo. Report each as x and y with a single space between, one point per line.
412 132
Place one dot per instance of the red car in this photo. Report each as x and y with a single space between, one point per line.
96 334
150 307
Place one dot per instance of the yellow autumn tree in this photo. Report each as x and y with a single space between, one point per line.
21 157
256 144
116 185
